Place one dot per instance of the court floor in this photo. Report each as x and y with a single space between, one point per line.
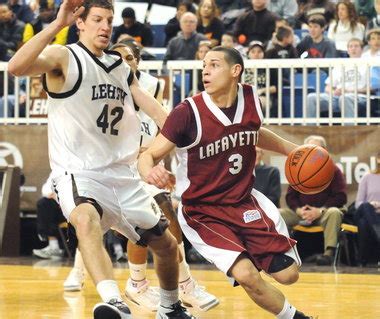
31 288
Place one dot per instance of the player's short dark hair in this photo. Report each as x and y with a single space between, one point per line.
283 32
232 56
130 43
317 19
88 4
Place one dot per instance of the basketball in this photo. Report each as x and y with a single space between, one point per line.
309 169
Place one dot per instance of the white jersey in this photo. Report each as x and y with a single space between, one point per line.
149 128
93 125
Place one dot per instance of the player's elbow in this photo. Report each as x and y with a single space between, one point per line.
15 69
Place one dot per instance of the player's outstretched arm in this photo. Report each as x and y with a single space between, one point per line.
149 171
272 142
148 103
32 58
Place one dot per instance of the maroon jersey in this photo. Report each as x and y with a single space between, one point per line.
217 168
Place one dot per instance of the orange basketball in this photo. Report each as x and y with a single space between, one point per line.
309 169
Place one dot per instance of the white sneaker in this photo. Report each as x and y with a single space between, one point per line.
144 296
48 253
74 281
193 295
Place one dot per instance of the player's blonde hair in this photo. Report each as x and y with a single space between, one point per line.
318 138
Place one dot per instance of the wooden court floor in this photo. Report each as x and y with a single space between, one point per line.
35 291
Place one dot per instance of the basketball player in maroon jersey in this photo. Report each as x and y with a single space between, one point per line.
226 220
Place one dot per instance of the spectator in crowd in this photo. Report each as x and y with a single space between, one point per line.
373 39
208 22
315 7
228 5
21 10
11 31
172 27
286 9
140 32
316 45
203 48
281 22
367 215
345 26
72 34
365 10
374 23
283 49
11 97
258 78
49 216
349 78
185 44
324 208
229 40
45 17
267 179
256 24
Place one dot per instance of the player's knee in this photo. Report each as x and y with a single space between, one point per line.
287 277
84 222
249 278
165 246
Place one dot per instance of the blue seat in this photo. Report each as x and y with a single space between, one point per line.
158 35
297 100
177 87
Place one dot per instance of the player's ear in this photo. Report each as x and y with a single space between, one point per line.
236 70
80 24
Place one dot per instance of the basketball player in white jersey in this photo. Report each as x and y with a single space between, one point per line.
137 287
94 135
226 220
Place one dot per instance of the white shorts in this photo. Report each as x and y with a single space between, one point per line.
125 202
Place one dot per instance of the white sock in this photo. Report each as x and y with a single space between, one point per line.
108 289
78 261
118 249
53 243
184 269
168 297
137 272
287 311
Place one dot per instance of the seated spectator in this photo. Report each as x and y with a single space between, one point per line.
267 179
208 22
373 39
11 97
229 40
203 48
140 32
342 78
315 7
367 216
259 78
22 11
172 27
256 24
316 45
345 26
323 209
365 10
374 23
185 44
46 15
280 22
286 9
49 216
228 5
11 31
283 49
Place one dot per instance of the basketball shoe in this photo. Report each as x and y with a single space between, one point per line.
74 281
175 311
301 315
193 295
113 309
143 294
48 253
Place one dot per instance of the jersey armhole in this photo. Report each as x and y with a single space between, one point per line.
76 86
130 78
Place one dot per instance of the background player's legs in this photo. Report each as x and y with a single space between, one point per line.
75 279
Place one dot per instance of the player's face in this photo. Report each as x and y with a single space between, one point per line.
127 55
96 30
217 73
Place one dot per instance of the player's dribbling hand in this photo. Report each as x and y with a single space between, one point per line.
160 177
69 11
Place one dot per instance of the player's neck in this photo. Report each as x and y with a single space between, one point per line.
92 48
226 98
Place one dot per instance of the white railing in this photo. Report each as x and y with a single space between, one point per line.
183 78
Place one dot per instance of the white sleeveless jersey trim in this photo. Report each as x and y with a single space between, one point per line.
71 74
149 128
223 118
96 127
257 104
